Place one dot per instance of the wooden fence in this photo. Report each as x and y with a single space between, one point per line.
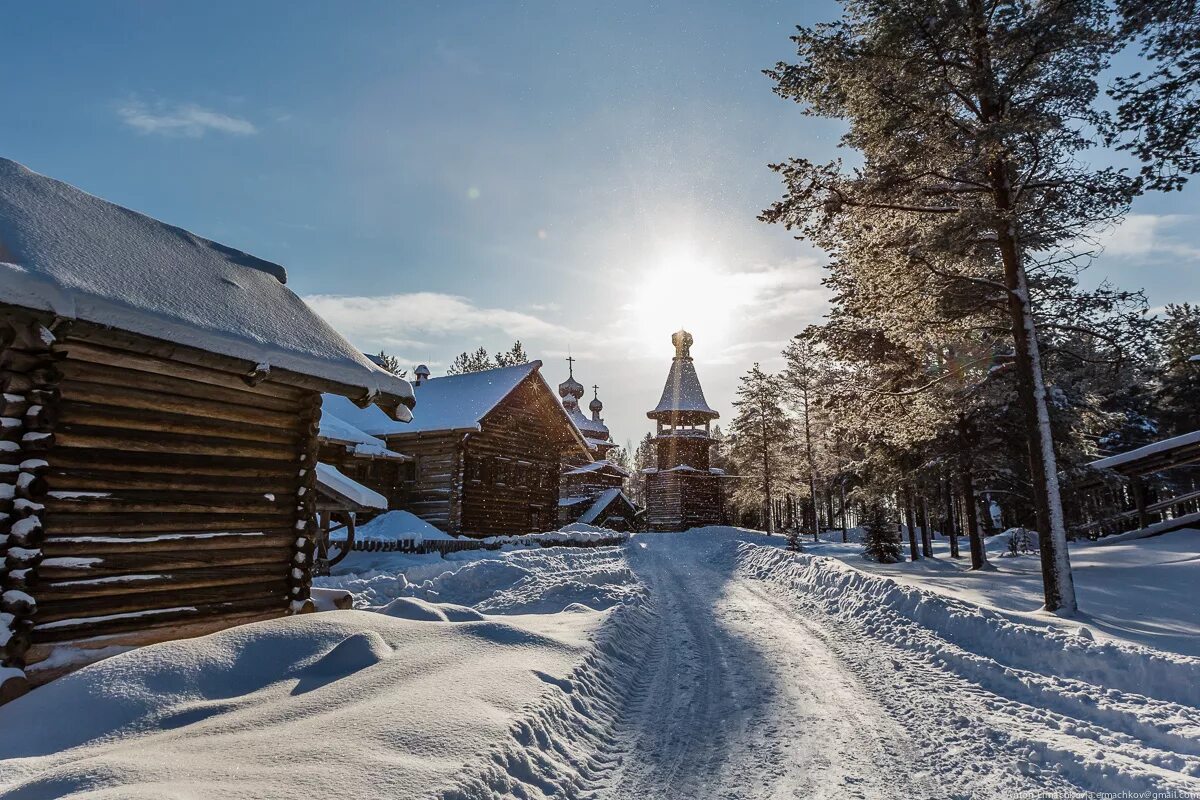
444 546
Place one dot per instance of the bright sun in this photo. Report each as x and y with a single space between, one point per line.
684 288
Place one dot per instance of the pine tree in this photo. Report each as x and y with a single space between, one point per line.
1158 113
479 360
804 382
644 457
759 432
466 362
390 363
967 121
515 355
1178 396
881 538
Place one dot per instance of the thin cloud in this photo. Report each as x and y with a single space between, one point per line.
188 120
1148 236
401 317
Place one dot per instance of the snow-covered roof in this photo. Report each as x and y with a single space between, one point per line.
65 251
682 392
603 500
331 481
448 403
596 466
1148 450
334 429
589 427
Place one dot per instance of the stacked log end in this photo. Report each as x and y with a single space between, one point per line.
307 527
29 377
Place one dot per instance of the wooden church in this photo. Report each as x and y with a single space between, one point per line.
592 488
683 490
486 450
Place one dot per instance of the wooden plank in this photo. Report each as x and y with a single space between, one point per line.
115 480
181 581
58 610
145 501
78 374
115 542
140 419
107 458
123 440
85 332
98 565
216 373
203 612
202 405
59 523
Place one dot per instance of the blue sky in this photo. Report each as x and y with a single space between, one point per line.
435 176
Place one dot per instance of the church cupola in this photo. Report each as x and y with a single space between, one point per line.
596 406
571 391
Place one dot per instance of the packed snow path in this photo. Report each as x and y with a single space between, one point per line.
752 688
743 699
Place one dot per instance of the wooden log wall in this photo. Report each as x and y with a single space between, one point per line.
674 450
433 492
676 501
493 481
521 445
151 498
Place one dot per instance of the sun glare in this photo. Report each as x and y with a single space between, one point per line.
684 288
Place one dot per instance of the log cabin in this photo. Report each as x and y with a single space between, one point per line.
683 490
158 431
487 449
592 490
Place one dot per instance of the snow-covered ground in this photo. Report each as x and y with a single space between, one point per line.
1141 591
711 664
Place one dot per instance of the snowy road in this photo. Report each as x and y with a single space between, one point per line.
744 699
747 691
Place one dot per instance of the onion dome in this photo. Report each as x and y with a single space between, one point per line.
596 406
571 388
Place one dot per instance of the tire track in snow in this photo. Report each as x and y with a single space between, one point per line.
743 702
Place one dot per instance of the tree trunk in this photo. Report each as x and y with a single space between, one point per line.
1058 586
812 467
910 520
926 535
951 527
828 505
842 497
766 459
967 487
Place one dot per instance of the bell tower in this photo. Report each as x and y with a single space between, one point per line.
683 491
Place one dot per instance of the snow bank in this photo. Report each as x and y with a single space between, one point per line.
878 601
346 704
425 699
1135 709
395 526
541 580
1136 592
